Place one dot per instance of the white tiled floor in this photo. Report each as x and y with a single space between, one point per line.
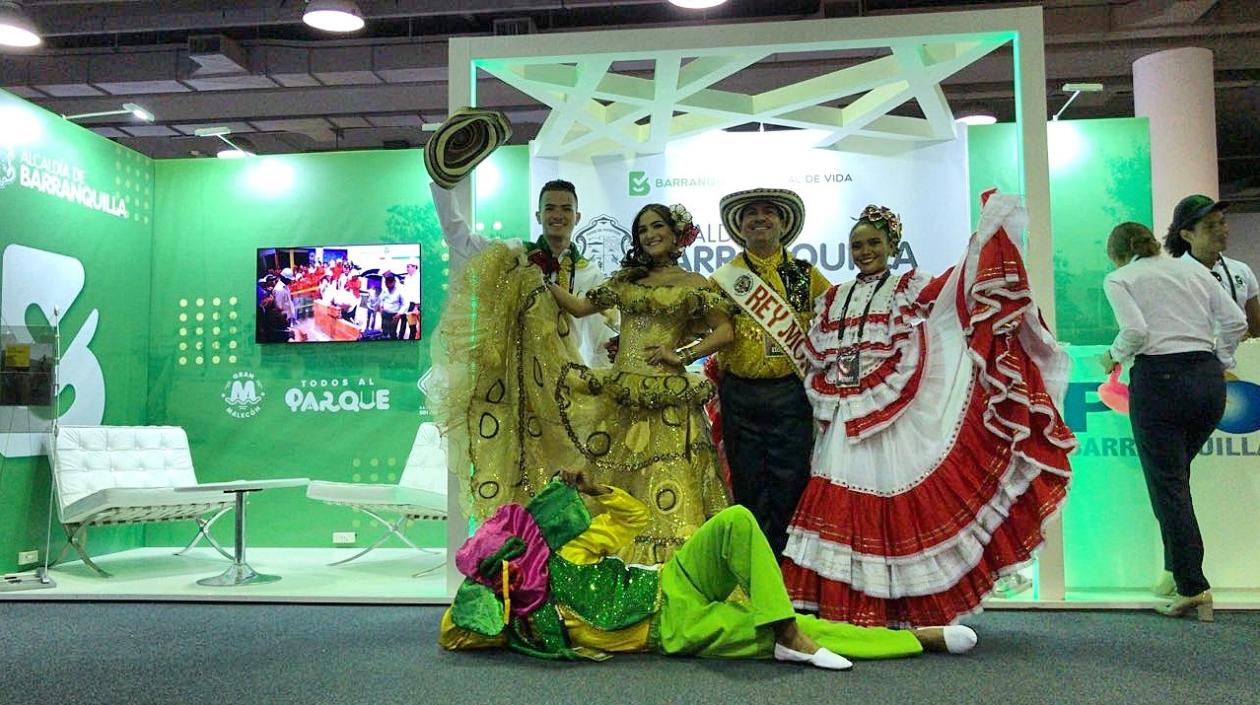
384 575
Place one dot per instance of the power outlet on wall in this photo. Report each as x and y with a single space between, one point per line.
28 557
344 537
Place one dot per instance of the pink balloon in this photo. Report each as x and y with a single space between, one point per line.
1114 393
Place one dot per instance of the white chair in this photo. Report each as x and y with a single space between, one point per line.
107 475
419 494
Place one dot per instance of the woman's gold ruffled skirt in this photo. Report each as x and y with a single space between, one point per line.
518 407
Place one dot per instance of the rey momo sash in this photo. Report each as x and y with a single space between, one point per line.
771 313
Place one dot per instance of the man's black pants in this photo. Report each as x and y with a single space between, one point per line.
767 427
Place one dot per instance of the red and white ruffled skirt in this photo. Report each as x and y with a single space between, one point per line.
909 522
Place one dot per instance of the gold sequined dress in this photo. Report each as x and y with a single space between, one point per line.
516 403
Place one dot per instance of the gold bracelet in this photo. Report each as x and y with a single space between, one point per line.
686 354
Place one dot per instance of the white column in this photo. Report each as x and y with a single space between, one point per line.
1176 91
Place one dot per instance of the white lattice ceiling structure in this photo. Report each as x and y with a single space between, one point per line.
595 109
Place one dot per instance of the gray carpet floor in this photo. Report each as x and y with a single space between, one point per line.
68 653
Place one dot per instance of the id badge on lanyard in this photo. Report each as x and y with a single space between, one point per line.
849 362
848 368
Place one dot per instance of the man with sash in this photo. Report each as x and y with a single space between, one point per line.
462 142
767 423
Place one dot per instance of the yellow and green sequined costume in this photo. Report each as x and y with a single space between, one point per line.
516 403
598 605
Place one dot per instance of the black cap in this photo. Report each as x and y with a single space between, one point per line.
1192 209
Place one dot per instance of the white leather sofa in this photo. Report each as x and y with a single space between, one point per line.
126 475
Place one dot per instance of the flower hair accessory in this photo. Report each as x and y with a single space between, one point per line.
875 215
683 225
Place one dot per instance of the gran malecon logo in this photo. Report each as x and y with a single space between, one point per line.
243 394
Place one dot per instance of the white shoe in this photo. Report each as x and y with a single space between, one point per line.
822 658
959 639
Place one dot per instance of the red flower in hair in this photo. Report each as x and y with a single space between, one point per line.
688 236
684 228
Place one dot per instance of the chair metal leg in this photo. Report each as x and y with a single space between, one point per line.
393 529
65 548
203 531
428 570
80 546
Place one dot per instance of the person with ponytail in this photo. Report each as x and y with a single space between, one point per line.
1178 330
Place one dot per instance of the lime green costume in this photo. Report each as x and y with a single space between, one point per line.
717 597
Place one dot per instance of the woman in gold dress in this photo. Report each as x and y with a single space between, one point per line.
649 434
517 405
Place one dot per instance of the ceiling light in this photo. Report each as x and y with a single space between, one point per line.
16 29
333 15
696 4
1076 89
233 152
131 108
139 112
977 118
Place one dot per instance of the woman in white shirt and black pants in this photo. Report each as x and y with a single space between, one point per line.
1179 329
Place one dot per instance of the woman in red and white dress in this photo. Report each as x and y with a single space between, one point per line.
942 451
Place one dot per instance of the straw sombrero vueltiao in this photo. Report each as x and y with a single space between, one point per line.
462 142
788 202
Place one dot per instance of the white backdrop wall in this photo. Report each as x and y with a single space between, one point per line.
927 187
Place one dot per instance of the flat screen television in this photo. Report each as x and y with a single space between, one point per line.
338 293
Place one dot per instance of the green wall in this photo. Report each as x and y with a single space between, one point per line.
1100 175
173 288
213 217
114 251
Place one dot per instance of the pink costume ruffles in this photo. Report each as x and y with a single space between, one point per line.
529 574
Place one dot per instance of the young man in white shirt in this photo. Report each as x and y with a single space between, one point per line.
553 253
1199 229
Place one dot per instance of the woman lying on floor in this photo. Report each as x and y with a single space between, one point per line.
541 580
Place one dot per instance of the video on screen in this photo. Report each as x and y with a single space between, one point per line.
338 293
